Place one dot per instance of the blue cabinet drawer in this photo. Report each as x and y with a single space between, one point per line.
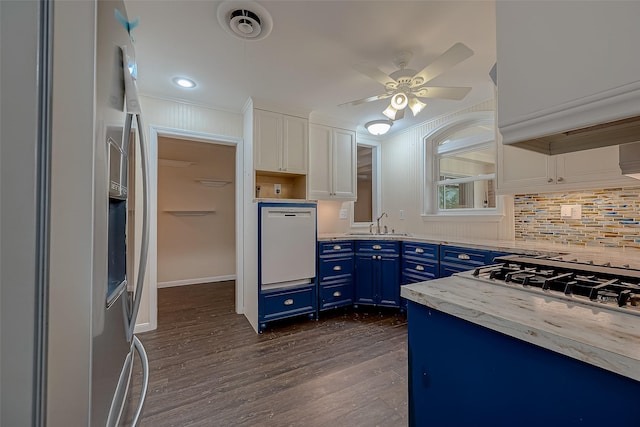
336 247
447 269
495 255
420 250
378 246
283 303
464 256
336 266
336 294
426 270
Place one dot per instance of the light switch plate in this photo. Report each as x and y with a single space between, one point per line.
571 211
277 188
401 215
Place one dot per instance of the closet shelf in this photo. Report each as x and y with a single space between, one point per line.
175 163
210 182
184 212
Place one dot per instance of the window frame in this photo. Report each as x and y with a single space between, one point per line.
375 183
433 152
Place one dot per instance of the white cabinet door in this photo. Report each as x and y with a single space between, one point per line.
267 149
332 163
521 169
294 144
345 164
599 165
320 162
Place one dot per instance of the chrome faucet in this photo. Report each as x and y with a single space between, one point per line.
383 214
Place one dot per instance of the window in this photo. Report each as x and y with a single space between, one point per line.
463 173
365 208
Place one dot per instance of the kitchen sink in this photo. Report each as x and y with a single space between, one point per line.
365 233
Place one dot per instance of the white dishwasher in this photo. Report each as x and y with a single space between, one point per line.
287 239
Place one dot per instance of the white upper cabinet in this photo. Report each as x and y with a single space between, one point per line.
280 142
529 172
332 163
566 65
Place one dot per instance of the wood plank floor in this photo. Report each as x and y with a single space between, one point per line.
209 368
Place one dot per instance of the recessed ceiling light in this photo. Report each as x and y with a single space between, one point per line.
184 82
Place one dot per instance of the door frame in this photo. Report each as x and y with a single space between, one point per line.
152 263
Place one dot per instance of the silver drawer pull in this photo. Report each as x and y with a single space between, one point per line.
337 294
419 268
463 256
288 301
377 247
337 247
419 250
337 268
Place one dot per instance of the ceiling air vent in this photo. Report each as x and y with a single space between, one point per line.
245 20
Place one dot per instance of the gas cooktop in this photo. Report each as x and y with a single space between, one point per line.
599 285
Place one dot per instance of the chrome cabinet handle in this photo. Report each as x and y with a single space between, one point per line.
337 247
419 250
419 268
337 294
377 247
337 268
288 301
463 256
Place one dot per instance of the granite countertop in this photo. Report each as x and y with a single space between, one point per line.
596 254
609 339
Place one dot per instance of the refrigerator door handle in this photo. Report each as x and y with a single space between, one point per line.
144 245
145 378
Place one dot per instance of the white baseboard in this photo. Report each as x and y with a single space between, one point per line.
143 327
196 281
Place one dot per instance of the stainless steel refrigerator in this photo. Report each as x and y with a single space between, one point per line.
73 257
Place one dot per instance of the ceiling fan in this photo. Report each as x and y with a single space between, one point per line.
405 85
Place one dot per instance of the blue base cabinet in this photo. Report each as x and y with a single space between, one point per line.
462 374
420 262
377 267
454 259
335 273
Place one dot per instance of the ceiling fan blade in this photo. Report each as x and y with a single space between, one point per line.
377 75
456 93
363 100
456 54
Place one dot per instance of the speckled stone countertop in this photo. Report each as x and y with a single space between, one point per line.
606 338
597 255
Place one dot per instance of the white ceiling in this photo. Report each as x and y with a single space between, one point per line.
307 60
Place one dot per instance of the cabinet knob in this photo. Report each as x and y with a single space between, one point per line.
288 301
463 256
337 294
550 180
373 257
377 247
337 268
419 250
419 268
337 247
379 256
560 179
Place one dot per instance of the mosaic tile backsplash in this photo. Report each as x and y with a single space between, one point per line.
610 217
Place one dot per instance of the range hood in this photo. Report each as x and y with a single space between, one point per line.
630 160
601 135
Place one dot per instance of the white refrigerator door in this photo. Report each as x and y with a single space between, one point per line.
288 244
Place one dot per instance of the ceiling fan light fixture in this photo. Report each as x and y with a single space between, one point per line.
390 112
378 127
399 101
416 106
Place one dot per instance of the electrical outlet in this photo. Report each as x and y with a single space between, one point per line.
343 214
277 188
571 211
401 214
